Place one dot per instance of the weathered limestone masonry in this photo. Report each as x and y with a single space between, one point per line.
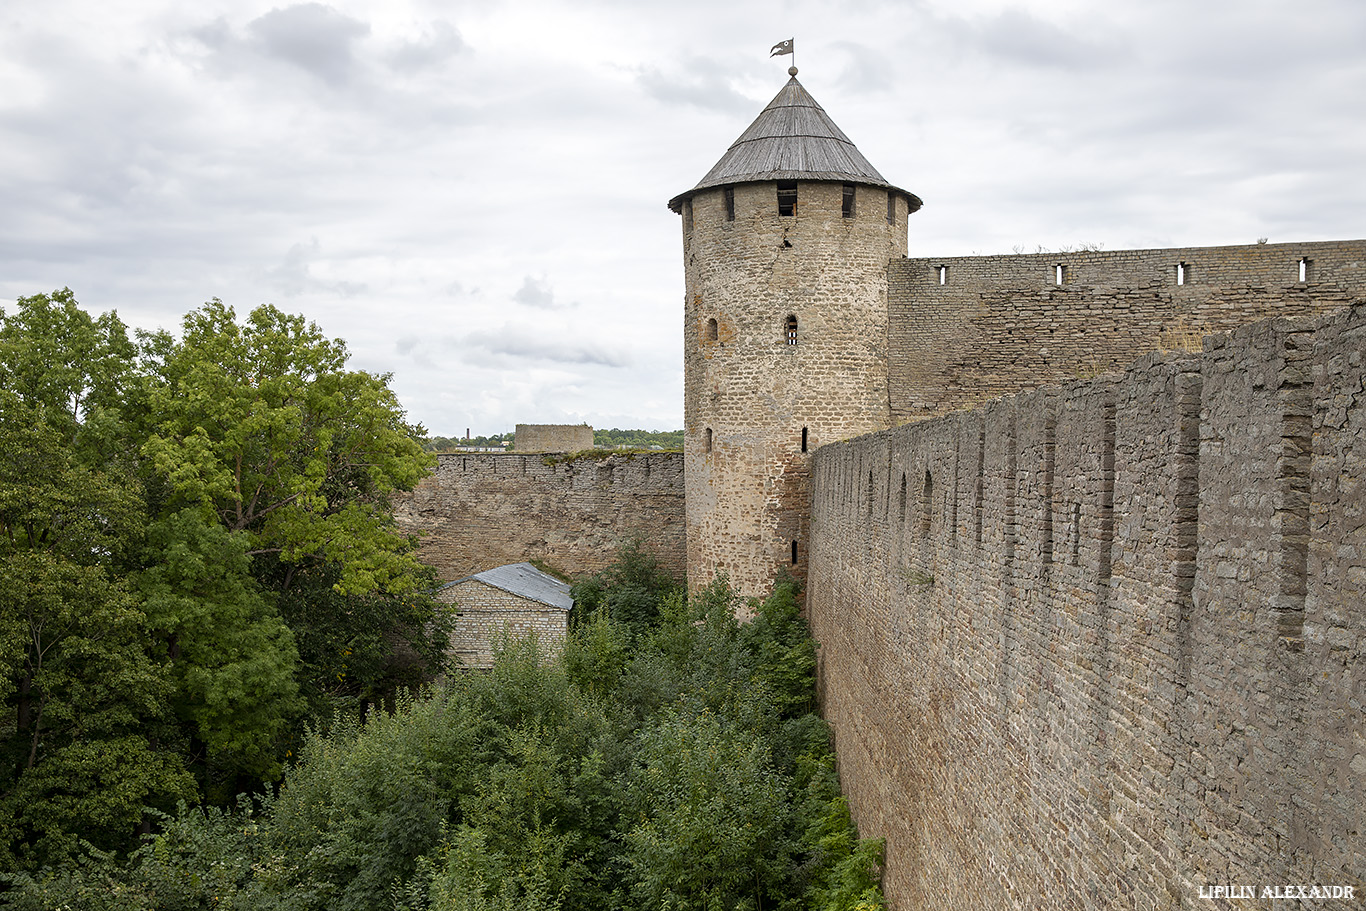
759 399
480 510
487 615
553 437
1101 646
786 242
966 330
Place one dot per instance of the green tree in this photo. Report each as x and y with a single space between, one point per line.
232 659
75 369
261 425
711 818
79 758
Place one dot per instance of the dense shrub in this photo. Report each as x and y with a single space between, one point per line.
670 758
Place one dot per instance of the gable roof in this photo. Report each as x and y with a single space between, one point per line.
792 139
526 581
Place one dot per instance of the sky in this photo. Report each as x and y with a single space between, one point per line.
472 194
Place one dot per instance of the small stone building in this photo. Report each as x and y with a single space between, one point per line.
516 599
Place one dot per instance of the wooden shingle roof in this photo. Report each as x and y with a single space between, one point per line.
792 139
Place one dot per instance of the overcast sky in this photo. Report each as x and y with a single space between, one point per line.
472 194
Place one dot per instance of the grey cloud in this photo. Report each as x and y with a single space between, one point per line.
311 36
705 86
215 35
441 42
535 293
865 70
1018 35
294 275
518 342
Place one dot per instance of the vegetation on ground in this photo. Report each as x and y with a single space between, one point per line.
669 757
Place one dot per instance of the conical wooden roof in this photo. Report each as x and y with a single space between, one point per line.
792 139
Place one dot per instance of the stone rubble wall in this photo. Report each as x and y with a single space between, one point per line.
1102 646
481 510
1000 324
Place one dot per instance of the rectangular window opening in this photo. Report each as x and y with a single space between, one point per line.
729 194
1059 274
1305 268
787 197
803 439
943 275
1181 274
848 210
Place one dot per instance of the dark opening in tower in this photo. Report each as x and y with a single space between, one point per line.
790 327
787 197
848 209
926 504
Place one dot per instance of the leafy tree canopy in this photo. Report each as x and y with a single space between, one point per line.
262 424
195 544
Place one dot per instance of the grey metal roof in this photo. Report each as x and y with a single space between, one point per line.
792 139
526 581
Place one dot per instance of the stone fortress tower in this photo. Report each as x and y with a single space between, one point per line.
786 242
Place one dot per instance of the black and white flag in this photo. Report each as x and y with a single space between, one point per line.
782 47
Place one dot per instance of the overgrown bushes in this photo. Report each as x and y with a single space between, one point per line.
669 759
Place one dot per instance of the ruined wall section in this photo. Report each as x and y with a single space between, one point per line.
552 437
481 510
751 399
964 330
1104 645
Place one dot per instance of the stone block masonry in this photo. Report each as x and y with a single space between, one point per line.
553 437
489 617
481 510
1102 646
965 330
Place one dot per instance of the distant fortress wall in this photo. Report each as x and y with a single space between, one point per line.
1104 645
481 510
553 437
965 330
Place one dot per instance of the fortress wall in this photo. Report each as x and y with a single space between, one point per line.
1112 651
553 437
1000 324
481 510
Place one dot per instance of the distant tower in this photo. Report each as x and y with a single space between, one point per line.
785 243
